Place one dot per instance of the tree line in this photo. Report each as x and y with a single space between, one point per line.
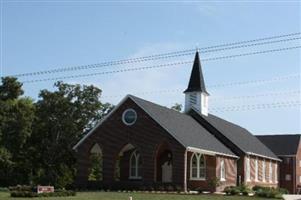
36 137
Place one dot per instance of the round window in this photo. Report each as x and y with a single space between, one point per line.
129 117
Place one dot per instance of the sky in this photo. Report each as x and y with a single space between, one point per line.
45 35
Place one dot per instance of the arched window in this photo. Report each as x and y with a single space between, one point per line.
194 166
223 171
95 171
197 166
135 165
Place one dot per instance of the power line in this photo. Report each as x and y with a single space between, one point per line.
162 65
245 107
219 85
283 104
166 55
220 98
254 40
225 98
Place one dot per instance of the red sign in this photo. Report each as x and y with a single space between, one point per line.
45 189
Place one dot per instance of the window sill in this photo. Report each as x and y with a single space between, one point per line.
223 179
197 179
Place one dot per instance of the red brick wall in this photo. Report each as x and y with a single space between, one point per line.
260 181
231 172
146 135
212 172
287 168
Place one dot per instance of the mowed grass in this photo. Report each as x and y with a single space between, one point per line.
136 196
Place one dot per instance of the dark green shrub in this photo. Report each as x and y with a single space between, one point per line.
21 191
4 189
213 183
283 190
234 191
21 188
227 190
178 188
169 188
269 192
246 191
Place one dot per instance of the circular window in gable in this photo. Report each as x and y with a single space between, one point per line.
129 117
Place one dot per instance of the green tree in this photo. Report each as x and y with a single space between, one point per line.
96 167
62 117
16 118
177 107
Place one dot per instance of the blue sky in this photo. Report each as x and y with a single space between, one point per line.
44 35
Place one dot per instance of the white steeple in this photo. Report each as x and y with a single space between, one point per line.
196 95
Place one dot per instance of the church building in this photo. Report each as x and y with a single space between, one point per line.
142 144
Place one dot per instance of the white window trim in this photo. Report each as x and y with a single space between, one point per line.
198 178
123 116
222 168
270 172
136 157
276 173
248 170
263 171
256 170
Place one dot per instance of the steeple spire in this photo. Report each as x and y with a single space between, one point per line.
196 82
196 95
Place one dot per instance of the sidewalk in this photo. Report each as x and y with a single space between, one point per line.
292 197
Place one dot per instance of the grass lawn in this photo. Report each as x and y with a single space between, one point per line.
136 196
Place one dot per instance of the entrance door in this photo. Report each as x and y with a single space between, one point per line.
167 172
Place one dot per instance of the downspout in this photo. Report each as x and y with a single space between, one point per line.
185 171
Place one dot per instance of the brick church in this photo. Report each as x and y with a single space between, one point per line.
142 143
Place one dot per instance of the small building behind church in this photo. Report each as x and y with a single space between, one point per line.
288 149
143 144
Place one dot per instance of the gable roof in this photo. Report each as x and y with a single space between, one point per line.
196 82
182 127
239 136
281 144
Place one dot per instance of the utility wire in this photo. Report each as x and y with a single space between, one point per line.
219 85
219 98
161 66
283 104
245 107
273 94
165 55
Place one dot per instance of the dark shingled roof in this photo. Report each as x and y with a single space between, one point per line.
196 82
281 144
183 127
239 136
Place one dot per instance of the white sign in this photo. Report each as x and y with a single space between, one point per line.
45 189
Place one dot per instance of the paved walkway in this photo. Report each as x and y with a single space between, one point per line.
292 197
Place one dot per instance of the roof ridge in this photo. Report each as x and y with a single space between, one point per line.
164 107
265 150
279 135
